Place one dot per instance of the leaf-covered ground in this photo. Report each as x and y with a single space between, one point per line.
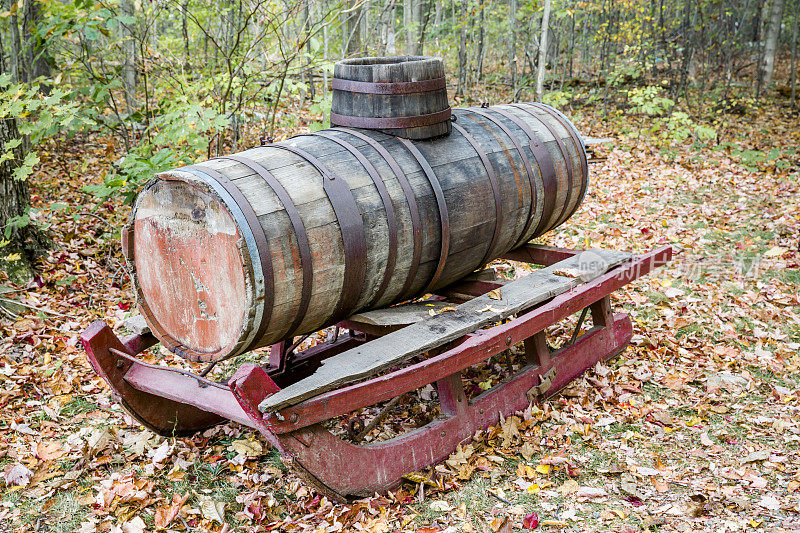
695 426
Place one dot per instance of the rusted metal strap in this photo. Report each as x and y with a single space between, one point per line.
299 231
388 123
547 169
567 162
389 87
391 218
498 204
444 218
579 147
351 227
525 161
416 222
261 244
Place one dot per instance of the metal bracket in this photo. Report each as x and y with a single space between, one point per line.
545 382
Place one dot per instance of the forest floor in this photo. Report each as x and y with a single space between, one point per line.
695 426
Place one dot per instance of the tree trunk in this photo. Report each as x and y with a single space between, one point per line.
793 69
481 38
127 9
419 27
15 44
26 242
542 52
353 30
462 51
391 37
512 48
408 21
770 45
35 61
185 35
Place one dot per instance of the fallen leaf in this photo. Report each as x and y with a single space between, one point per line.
212 510
754 457
531 521
770 502
591 492
165 515
136 525
440 506
248 448
49 450
17 474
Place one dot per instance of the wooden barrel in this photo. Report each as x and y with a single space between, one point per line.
245 250
404 96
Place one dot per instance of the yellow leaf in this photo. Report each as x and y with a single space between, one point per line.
543 469
495 294
248 448
533 489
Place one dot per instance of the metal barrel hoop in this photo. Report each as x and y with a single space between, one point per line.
389 87
567 162
444 217
580 147
388 207
525 161
388 123
299 229
547 171
413 207
351 228
498 205
257 245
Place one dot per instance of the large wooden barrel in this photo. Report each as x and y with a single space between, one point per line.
404 96
245 250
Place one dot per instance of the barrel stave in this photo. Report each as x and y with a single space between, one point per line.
469 197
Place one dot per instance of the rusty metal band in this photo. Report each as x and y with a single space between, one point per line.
498 204
389 123
579 147
444 217
525 161
567 162
351 227
547 169
261 243
389 87
411 200
299 231
391 218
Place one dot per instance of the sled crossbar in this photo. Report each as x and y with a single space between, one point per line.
175 402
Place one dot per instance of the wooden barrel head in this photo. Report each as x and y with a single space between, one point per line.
190 270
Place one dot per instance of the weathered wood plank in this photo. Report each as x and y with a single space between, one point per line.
396 347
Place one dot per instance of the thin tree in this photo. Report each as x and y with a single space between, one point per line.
770 46
542 52
793 69
512 48
462 51
128 34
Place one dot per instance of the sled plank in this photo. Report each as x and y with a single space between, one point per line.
377 355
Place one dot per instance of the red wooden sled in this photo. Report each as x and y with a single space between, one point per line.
175 402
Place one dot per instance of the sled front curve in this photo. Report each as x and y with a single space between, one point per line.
173 402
